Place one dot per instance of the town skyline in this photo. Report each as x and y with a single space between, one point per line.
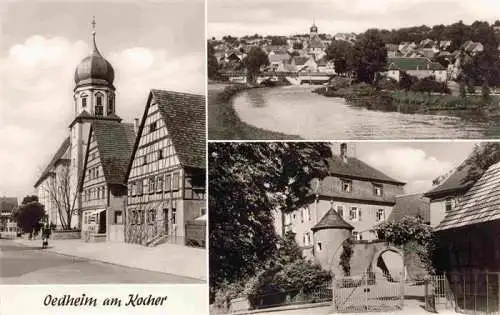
38 58
274 19
305 30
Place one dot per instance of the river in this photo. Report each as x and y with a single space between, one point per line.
295 110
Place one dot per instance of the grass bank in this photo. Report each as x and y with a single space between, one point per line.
223 121
409 102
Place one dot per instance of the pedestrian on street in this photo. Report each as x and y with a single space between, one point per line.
45 234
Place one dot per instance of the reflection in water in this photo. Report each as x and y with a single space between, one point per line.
296 111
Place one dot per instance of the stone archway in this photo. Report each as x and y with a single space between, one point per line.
389 262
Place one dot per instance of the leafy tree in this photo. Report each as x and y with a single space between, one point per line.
288 249
246 182
370 56
406 81
482 157
412 235
341 53
28 214
345 257
278 40
212 64
428 85
255 59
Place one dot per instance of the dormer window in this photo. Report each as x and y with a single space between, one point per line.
378 190
346 185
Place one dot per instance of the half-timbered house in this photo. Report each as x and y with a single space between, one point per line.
103 186
166 176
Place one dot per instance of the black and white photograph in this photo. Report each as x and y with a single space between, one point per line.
354 227
103 137
337 69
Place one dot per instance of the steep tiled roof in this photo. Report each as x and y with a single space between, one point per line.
480 204
280 57
456 182
356 168
7 204
184 116
57 156
299 60
115 142
332 220
411 205
417 63
316 43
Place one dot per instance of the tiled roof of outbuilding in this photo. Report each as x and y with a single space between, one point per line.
184 116
480 204
411 205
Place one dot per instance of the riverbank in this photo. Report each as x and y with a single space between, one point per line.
223 121
409 102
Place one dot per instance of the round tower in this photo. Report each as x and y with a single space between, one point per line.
329 234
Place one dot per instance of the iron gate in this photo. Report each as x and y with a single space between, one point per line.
469 293
368 292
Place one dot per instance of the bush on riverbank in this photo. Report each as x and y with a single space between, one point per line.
414 101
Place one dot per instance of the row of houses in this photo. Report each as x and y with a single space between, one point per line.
298 55
141 182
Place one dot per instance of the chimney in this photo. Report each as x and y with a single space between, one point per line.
136 125
343 152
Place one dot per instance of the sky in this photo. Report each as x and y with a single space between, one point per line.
415 163
150 44
288 17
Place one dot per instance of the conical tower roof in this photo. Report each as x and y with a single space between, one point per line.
332 220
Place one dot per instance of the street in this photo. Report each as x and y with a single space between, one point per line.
21 264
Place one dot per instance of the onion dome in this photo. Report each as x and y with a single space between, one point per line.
313 29
94 69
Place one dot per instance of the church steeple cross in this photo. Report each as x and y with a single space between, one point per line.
93 25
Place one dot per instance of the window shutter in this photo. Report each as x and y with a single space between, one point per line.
359 214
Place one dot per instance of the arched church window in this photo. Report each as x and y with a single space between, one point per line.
84 100
110 104
98 107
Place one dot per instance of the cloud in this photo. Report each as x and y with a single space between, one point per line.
410 165
36 97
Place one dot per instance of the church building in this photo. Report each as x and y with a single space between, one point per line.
93 100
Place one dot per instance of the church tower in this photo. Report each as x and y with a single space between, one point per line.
313 31
94 99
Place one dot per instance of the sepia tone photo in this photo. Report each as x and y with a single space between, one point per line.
354 227
353 69
103 139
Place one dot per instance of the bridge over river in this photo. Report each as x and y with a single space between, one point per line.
294 78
